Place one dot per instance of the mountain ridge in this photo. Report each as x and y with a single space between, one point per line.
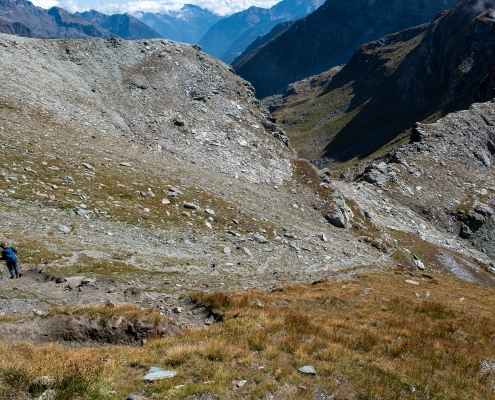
187 25
228 38
52 23
328 37
125 25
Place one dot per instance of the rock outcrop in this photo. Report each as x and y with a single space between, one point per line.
447 174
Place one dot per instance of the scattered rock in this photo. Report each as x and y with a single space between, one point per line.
259 238
296 249
191 206
308 369
248 252
87 281
410 281
241 383
47 395
487 366
88 166
64 229
45 381
175 190
418 263
156 374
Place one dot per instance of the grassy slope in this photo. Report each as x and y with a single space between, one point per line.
377 337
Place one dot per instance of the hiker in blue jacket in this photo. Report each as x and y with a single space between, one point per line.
9 254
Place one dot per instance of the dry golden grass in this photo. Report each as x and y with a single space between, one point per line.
369 338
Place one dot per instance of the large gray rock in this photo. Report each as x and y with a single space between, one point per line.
156 374
308 369
338 212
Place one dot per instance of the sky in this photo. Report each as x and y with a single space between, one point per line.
220 7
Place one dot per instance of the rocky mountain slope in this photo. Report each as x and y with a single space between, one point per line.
228 38
420 74
15 28
187 25
123 25
447 173
52 23
150 166
328 37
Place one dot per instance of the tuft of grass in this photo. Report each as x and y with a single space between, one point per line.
215 301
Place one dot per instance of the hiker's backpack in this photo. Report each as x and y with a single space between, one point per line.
10 254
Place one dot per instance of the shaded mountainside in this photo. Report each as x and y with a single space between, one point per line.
328 37
123 25
52 23
228 38
15 28
264 39
187 25
415 75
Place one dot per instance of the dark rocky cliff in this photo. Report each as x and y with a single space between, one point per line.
262 40
328 37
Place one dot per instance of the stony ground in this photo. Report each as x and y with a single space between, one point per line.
149 168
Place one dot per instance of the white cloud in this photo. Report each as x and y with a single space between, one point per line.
45 3
220 7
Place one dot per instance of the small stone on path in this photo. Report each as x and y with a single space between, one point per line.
248 252
64 229
191 206
259 238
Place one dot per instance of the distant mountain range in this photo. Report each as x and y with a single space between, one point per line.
328 37
188 25
23 18
123 25
229 37
52 23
